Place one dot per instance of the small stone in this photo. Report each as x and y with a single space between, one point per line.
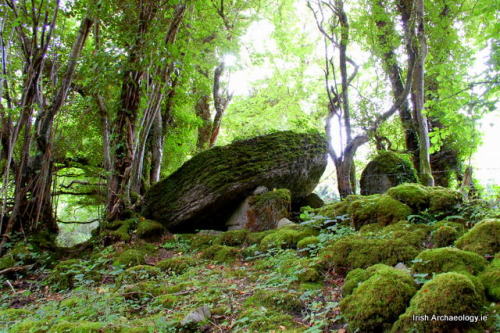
402 267
209 232
196 316
260 190
284 222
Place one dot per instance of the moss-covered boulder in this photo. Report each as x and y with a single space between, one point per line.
130 257
221 253
414 195
205 191
483 238
139 273
379 300
444 236
359 252
490 279
443 200
261 211
381 209
149 229
448 259
177 265
286 301
384 171
286 237
447 294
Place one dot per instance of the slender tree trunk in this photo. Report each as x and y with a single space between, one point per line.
202 109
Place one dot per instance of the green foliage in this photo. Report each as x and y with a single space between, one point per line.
130 257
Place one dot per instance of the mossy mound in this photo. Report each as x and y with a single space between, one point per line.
77 327
490 278
483 238
379 300
286 237
414 195
447 294
139 273
384 171
448 259
413 234
176 265
277 299
444 236
149 229
337 208
63 275
381 209
221 253
130 257
232 238
119 230
359 275
307 242
443 200
359 252
225 176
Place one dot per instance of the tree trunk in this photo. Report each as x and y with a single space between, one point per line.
202 109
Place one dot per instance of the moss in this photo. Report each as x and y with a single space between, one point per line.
307 242
413 234
448 259
359 275
176 265
139 273
414 195
483 238
262 319
10 315
144 289
444 236
278 299
221 253
166 301
29 326
62 276
130 257
76 327
378 301
338 208
147 229
261 200
490 278
358 252
120 230
451 294
232 238
7 261
286 237
381 209
199 242
256 237
443 200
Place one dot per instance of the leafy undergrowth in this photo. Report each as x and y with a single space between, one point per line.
319 276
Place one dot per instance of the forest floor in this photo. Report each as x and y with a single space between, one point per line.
321 275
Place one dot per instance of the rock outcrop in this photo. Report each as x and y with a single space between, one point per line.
206 190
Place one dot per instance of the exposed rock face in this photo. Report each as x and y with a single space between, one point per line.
386 170
261 211
205 191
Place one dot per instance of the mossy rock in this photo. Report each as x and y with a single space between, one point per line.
415 196
379 300
358 252
139 273
443 200
221 253
450 294
29 326
339 208
381 209
224 176
286 237
77 327
264 319
130 257
413 234
448 259
444 236
282 300
308 242
177 265
232 238
490 278
149 229
483 238
7 261
355 277
12 314
384 171
120 230
254 238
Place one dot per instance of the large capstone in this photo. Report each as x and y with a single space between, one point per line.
206 190
386 170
